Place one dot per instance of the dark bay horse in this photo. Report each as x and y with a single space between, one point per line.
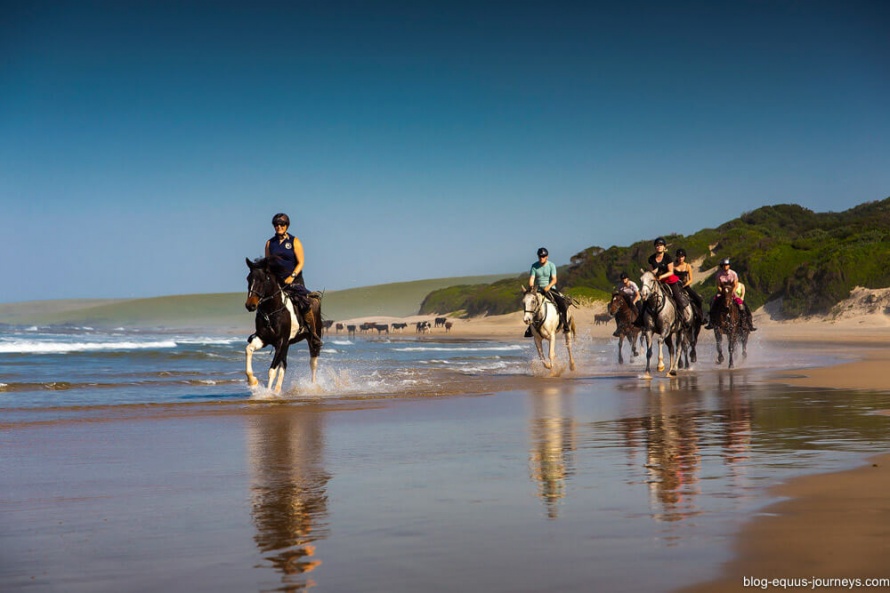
689 340
277 323
625 313
663 319
729 323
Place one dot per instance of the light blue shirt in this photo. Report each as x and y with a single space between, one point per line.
543 273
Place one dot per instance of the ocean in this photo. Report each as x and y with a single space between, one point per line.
65 366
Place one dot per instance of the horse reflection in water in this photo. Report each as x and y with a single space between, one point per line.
288 491
673 429
553 440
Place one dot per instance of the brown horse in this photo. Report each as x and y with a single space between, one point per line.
277 323
625 314
728 322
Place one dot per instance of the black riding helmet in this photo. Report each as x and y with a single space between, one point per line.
659 241
542 252
681 252
624 275
724 261
281 218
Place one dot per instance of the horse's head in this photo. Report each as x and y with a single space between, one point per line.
531 302
726 295
648 282
615 303
261 283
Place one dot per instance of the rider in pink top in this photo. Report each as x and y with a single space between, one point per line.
726 276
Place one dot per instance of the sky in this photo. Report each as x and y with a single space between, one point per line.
145 146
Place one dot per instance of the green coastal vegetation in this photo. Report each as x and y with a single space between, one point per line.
805 260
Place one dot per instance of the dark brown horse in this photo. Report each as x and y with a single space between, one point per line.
728 322
277 323
625 314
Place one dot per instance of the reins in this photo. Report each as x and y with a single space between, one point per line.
264 299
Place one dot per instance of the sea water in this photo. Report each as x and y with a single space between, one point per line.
64 366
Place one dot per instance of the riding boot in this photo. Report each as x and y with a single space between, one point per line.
308 318
710 324
528 332
749 319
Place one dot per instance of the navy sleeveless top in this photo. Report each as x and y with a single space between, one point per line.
284 252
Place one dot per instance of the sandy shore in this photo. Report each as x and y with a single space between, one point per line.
833 526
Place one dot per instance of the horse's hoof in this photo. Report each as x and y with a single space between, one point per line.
252 381
672 373
647 377
660 368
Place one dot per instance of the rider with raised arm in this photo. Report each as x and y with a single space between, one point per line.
726 276
285 252
662 265
542 278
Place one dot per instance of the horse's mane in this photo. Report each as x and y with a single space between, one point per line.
274 264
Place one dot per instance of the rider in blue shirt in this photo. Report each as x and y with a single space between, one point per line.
543 278
286 253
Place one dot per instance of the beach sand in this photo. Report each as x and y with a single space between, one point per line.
831 525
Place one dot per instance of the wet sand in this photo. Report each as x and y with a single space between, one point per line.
421 495
832 526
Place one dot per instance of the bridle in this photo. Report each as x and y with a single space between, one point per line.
263 299
655 291
535 313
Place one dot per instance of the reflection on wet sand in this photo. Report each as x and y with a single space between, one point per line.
673 432
288 491
553 441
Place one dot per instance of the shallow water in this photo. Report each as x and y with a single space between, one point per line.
596 480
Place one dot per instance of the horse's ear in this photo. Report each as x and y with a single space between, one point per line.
642 271
524 288
249 263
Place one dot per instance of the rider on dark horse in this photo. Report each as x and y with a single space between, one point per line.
631 293
727 277
662 265
285 252
684 272
543 278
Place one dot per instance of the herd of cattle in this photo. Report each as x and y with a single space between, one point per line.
421 327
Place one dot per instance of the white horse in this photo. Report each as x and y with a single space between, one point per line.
543 317
662 318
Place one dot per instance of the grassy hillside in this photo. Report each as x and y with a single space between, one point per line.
811 261
224 310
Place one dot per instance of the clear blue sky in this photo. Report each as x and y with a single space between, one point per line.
145 146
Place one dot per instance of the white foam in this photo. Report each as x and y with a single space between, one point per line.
52 347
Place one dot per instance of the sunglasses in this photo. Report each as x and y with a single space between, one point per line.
284 224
